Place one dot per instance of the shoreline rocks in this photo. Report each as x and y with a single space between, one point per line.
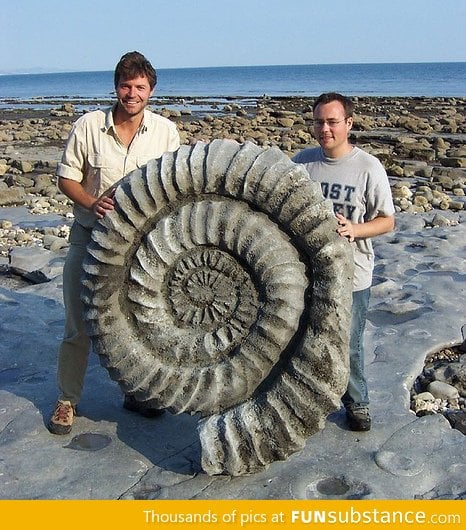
420 141
441 387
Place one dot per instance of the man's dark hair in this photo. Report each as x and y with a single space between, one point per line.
328 97
134 64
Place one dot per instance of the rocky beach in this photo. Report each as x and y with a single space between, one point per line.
420 141
417 361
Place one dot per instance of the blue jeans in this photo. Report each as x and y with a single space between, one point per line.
356 394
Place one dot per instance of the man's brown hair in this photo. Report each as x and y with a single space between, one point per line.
328 97
134 64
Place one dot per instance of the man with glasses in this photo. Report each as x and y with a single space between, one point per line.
358 186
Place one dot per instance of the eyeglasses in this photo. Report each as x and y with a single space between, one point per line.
330 123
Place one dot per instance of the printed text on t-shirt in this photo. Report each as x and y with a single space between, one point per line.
340 195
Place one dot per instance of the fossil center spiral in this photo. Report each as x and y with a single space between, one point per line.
209 288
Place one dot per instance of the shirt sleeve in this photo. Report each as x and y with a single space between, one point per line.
72 164
379 195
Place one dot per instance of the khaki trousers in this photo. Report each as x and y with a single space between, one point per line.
74 350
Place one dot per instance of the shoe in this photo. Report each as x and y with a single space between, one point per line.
141 407
62 418
358 419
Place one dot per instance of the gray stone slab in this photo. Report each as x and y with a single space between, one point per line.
417 306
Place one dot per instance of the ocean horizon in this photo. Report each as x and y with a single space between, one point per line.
446 79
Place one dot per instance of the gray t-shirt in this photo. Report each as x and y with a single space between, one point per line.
358 186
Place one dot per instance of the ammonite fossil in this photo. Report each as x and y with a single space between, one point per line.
218 285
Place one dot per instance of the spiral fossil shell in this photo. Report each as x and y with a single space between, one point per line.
219 286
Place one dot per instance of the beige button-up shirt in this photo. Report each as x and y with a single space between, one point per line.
96 157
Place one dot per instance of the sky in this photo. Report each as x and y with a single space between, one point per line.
88 35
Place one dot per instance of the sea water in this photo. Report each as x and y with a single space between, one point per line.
393 79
